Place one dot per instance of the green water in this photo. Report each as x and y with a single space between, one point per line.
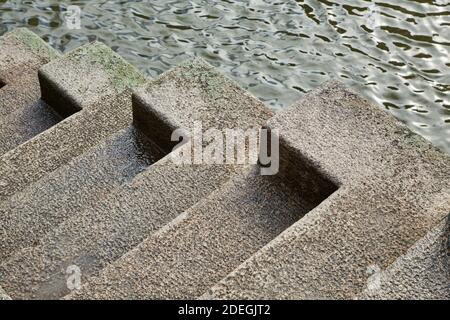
395 52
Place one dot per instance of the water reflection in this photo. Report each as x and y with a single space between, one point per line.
394 52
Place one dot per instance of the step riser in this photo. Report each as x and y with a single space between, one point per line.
153 124
80 188
100 235
105 109
103 233
22 51
422 273
391 185
23 92
22 114
25 124
186 258
30 214
55 95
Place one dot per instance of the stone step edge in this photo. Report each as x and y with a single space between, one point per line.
84 76
34 53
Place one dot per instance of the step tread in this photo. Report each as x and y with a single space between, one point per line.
102 233
356 189
393 190
213 237
23 92
31 213
22 125
22 50
21 54
100 115
422 273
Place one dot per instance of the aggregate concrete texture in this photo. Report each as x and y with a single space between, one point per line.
29 214
104 109
22 114
422 273
394 187
120 220
358 210
20 51
205 243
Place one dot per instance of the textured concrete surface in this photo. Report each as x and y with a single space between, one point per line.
219 103
20 51
359 209
20 93
107 229
29 214
422 273
101 114
85 76
22 125
23 115
394 188
205 243
100 235
3 295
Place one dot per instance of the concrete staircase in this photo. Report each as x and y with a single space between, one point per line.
421 273
205 243
23 114
87 180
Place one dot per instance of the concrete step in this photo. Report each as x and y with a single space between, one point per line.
23 115
103 232
3 295
28 215
422 273
20 93
207 242
394 188
356 192
90 87
21 53
23 124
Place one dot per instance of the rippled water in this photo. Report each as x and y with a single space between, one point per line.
395 52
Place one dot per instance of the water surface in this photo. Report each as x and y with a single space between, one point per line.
395 52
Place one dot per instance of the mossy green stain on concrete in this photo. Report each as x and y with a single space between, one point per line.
123 75
212 83
33 42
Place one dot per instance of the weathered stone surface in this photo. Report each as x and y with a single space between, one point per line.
22 125
219 103
101 234
22 50
357 192
29 214
3 295
422 273
100 116
118 222
394 188
86 76
22 114
205 243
